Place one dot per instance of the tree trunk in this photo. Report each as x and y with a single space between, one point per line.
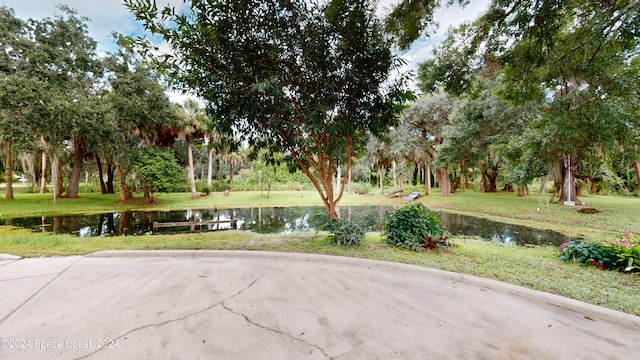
381 179
43 175
103 186
463 178
268 186
493 182
110 176
8 158
218 168
569 191
124 194
338 177
444 182
55 175
521 191
427 179
210 174
581 185
147 193
231 165
349 181
28 167
490 179
192 180
74 179
456 182
395 175
636 167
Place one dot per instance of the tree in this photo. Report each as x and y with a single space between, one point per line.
428 117
19 93
377 157
408 19
158 170
564 53
63 56
193 126
142 112
311 77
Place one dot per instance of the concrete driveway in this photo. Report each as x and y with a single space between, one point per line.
262 305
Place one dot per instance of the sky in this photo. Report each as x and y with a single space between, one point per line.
111 15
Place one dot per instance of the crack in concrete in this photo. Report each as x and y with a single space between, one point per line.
39 290
163 323
279 332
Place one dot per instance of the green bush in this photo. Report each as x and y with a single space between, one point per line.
345 233
586 253
202 187
620 257
415 227
630 258
361 188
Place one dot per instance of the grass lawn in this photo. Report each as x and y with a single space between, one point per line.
533 267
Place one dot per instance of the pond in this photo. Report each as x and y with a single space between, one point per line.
268 220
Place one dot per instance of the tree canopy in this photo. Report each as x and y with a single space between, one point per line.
568 56
313 77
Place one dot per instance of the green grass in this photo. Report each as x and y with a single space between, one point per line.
534 267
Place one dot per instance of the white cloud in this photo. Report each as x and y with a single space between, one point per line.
108 16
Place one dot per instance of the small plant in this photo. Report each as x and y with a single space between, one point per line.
204 188
361 188
586 253
415 227
630 258
345 233
621 255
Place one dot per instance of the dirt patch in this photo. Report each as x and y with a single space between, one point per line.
589 211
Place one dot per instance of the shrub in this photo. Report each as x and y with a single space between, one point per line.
415 227
361 188
630 258
586 253
345 233
621 256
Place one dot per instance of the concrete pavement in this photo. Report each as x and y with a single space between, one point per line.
262 305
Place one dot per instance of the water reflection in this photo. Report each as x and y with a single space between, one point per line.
267 220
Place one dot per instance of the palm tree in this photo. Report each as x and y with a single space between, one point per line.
192 127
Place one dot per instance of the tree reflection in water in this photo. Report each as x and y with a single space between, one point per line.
269 220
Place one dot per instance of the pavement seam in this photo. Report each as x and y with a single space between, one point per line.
39 290
10 262
163 323
27 277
